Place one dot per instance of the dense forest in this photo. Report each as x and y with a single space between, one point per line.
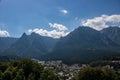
25 69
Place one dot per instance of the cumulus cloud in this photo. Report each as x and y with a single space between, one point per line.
58 26
52 33
57 32
4 33
101 22
64 11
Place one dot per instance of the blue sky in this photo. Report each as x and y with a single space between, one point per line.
18 16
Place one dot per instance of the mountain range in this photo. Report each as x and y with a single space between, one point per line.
82 45
32 46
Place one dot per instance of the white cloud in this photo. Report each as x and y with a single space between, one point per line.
4 33
64 11
101 22
52 33
57 32
58 26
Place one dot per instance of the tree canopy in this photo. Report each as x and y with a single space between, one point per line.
25 69
97 73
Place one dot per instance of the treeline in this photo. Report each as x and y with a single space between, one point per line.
9 58
112 61
25 69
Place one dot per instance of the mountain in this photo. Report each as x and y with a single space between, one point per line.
84 44
112 33
6 42
85 37
32 46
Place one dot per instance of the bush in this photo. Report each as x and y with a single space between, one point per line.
89 73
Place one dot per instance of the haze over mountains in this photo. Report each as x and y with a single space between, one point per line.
6 42
84 44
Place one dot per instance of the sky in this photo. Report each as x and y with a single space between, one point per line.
56 18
